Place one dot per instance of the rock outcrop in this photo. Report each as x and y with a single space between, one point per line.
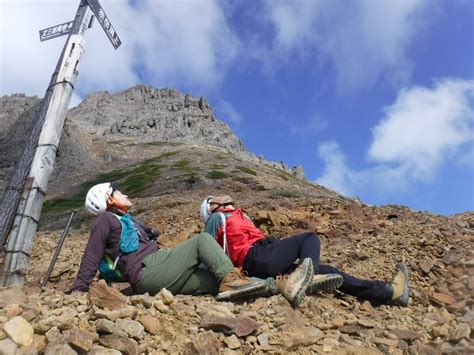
17 113
154 115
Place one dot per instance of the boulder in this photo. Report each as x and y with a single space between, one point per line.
125 345
104 296
20 331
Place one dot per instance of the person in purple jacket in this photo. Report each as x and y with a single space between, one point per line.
149 268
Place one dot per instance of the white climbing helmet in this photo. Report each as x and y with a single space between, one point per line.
96 198
220 201
204 211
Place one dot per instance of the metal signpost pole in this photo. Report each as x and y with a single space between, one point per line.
58 249
52 113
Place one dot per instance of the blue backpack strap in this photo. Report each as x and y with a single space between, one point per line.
108 267
129 239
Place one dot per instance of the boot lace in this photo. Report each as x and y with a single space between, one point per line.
237 277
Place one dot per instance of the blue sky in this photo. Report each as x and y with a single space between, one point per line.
374 99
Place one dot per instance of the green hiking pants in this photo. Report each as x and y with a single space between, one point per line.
179 269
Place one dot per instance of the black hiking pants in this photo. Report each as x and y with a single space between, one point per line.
271 257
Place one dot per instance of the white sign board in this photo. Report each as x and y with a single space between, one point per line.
55 31
105 22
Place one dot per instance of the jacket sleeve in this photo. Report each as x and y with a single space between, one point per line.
100 230
214 226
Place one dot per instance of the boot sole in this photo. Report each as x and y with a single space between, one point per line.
253 290
403 299
327 285
301 293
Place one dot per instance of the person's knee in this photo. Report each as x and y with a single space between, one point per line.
313 243
204 238
310 237
315 237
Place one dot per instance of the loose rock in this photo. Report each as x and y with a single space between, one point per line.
20 331
106 297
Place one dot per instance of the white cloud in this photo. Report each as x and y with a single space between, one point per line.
75 100
26 64
165 43
363 41
310 127
185 42
228 112
424 127
377 182
304 128
421 131
336 174
292 20
190 44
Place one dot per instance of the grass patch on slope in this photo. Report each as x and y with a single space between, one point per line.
184 166
217 174
152 144
246 170
217 166
131 181
241 179
287 194
283 175
161 144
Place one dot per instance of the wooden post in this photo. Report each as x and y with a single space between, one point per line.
54 107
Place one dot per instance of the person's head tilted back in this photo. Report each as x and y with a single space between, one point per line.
213 204
105 197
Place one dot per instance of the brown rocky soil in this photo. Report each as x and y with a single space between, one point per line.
362 240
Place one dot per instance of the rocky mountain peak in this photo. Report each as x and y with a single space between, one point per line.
155 115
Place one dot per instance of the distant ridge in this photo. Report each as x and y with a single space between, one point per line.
141 114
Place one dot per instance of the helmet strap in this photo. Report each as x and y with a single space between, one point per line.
113 203
219 205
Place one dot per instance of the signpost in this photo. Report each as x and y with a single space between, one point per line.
56 31
23 198
105 23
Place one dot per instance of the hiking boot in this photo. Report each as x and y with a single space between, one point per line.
235 285
399 286
324 283
293 286
269 288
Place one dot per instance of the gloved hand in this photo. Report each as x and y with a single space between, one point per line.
153 235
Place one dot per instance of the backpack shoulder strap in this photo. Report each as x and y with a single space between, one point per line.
120 252
225 247
130 235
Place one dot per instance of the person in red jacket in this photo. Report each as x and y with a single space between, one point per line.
265 257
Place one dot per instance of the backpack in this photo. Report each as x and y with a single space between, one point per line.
225 246
236 234
129 242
